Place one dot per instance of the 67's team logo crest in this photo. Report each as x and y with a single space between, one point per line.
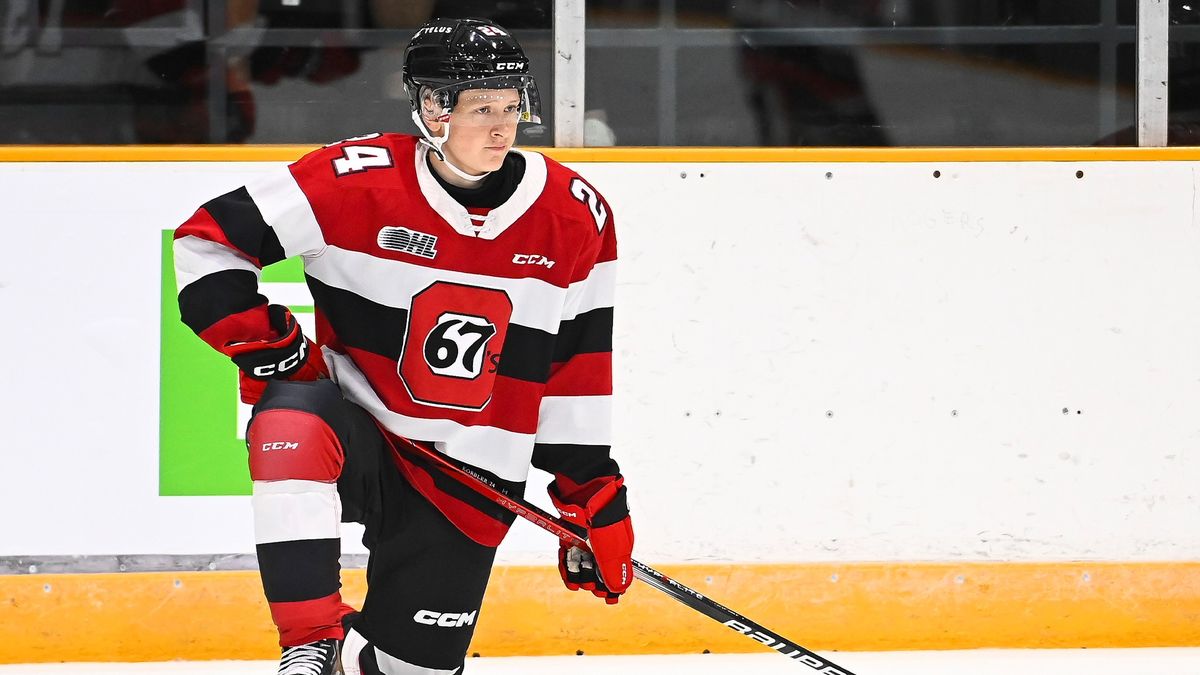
451 348
456 347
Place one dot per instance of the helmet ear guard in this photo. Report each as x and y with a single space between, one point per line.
439 112
435 143
433 105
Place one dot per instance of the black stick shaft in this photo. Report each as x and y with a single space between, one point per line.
572 534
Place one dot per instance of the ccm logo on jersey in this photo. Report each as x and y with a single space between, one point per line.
532 259
445 619
280 445
797 654
405 240
285 365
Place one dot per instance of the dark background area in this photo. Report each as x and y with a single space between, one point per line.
659 72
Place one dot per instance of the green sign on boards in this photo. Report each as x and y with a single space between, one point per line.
201 451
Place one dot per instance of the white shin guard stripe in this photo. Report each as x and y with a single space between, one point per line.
354 645
391 665
351 648
294 510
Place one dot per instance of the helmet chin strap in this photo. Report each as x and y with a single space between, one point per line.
435 143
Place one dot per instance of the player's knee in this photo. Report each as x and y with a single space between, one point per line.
293 445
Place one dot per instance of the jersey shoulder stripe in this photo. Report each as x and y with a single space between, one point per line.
239 218
286 209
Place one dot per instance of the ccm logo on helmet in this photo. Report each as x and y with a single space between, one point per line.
284 366
510 65
445 619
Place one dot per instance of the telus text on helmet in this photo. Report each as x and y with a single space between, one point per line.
434 29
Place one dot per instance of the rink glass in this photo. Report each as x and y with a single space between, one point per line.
659 72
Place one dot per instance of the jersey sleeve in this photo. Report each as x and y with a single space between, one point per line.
574 433
220 252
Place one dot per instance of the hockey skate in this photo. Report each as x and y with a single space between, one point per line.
315 658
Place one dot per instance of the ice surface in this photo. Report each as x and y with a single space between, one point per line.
972 662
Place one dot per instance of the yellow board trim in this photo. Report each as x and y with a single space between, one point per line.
850 607
287 153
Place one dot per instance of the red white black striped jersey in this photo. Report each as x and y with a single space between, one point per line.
490 337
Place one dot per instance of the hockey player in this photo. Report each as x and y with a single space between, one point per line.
463 296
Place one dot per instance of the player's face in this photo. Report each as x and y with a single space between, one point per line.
483 126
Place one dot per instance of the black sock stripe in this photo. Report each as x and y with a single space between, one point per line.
293 571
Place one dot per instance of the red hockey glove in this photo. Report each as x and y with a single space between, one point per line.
283 356
605 567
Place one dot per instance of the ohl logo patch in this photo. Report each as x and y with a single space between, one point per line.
408 241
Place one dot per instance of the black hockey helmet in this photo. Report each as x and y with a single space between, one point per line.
450 56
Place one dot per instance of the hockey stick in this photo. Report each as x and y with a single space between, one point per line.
575 535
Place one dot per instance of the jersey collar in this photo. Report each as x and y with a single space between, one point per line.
498 219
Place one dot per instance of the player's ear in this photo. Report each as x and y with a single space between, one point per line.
430 112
